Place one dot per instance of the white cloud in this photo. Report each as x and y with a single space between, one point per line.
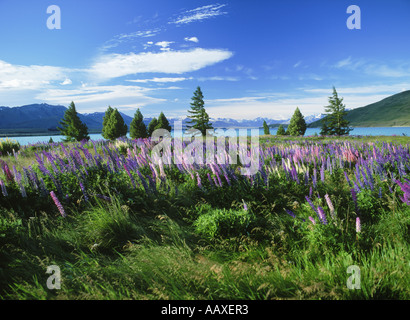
164 45
218 78
178 62
200 13
66 82
191 39
160 80
297 64
34 77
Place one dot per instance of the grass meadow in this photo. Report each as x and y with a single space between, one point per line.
120 226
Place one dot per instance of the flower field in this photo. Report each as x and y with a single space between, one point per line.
121 224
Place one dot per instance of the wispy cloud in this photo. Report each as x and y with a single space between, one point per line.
218 78
177 62
127 37
375 68
160 80
191 39
199 14
97 98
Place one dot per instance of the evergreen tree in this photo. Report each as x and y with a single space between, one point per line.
297 126
265 128
105 121
335 123
151 126
138 129
115 126
281 131
199 117
163 123
72 127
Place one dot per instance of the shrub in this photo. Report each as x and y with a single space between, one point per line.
224 223
7 146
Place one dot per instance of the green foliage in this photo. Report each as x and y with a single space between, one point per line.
297 126
106 120
199 119
8 146
224 223
115 126
266 130
138 129
152 126
163 123
72 127
281 131
335 123
181 241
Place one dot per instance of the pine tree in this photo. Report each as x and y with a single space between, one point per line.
163 123
72 127
151 126
105 121
115 126
280 131
138 129
335 123
266 130
199 117
297 126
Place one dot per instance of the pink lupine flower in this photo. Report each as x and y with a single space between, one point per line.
358 226
330 205
58 204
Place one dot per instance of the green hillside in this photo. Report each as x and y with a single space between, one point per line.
389 112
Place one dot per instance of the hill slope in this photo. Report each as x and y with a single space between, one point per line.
389 112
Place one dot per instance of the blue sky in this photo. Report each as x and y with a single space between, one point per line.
260 58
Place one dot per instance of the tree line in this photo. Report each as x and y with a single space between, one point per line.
114 126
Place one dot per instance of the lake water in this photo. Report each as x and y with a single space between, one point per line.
371 131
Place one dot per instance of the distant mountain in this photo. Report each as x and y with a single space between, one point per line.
44 117
389 112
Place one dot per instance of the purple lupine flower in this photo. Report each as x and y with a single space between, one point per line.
380 192
227 179
84 192
354 196
198 179
322 215
58 204
7 172
314 179
322 173
347 179
311 203
330 205
129 174
406 192
358 226
245 207
289 212
209 178
312 220
3 188
22 189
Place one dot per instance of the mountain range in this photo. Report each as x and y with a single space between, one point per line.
391 111
45 117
